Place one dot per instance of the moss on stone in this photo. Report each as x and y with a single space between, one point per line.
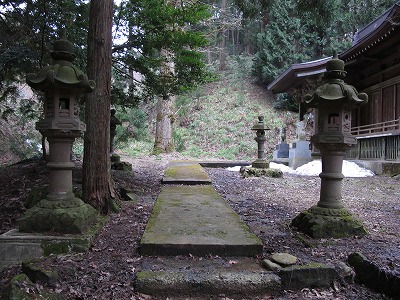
38 273
319 222
34 196
257 172
189 170
64 216
14 291
55 247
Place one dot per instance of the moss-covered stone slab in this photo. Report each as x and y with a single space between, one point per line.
16 246
196 220
185 172
320 222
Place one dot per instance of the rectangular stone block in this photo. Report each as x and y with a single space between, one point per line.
307 276
281 151
16 247
196 220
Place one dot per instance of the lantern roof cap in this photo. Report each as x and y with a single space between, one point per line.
334 88
63 73
260 125
63 49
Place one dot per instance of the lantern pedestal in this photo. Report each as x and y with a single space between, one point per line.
321 222
60 211
260 164
329 218
63 216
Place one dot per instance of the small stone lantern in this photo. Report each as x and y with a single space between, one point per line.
333 101
260 128
114 121
62 84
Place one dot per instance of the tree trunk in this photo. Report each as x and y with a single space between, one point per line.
163 140
222 54
97 185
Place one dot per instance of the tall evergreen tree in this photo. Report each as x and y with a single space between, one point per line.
97 185
161 34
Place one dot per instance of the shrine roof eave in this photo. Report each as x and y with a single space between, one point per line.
296 74
373 33
365 39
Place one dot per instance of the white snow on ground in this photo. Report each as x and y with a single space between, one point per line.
314 167
236 168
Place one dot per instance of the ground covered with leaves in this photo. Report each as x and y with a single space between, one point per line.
267 205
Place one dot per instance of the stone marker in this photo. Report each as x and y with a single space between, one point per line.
281 152
114 121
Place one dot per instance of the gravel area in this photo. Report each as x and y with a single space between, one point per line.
267 205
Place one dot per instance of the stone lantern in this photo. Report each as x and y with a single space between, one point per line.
260 128
62 84
114 121
333 102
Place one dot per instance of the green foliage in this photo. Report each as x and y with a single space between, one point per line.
161 35
134 125
28 28
287 102
284 41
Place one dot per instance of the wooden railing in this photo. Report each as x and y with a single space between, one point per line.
377 128
376 148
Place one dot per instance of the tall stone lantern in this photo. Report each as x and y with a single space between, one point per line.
333 101
62 84
260 127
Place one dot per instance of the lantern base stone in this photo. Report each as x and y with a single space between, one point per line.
258 172
320 222
260 164
62 216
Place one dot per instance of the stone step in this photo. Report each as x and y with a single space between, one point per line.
185 172
196 277
196 220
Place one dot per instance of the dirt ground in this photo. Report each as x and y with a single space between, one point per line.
267 205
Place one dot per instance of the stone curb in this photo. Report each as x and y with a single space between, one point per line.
373 277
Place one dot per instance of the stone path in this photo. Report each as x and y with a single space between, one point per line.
191 218
218 252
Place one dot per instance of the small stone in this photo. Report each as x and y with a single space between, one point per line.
269 265
345 272
284 259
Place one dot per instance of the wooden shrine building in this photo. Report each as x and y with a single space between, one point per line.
373 67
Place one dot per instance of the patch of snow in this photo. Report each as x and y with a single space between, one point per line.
235 168
314 168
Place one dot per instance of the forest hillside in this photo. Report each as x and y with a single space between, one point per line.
213 121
